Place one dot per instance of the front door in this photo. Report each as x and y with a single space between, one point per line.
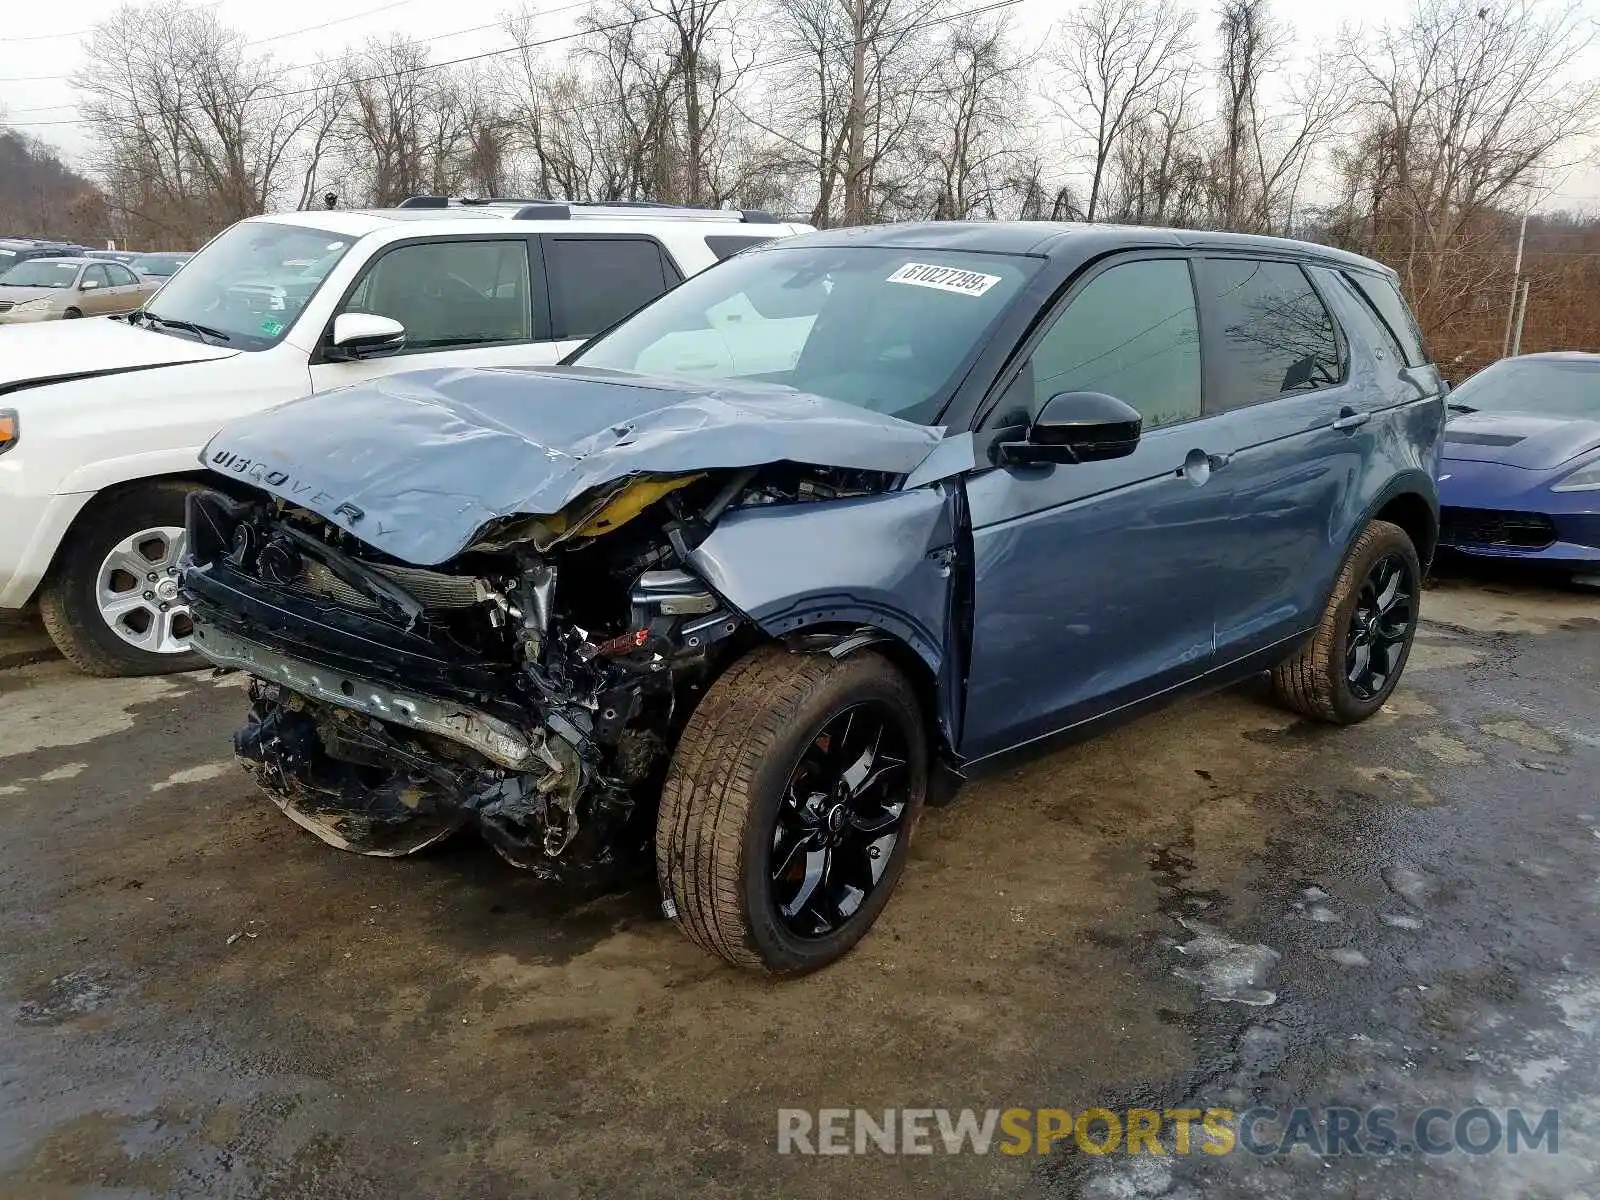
464 302
95 295
1094 583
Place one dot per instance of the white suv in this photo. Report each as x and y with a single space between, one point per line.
102 421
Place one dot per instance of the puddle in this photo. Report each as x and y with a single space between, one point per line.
1527 736
1226 970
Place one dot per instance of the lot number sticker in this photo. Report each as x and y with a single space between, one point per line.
945 279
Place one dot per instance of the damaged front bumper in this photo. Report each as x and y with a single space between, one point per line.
495 739
391 705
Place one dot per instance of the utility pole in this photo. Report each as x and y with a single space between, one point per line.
1522 311
1516 284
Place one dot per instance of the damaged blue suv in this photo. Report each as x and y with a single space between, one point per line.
842 518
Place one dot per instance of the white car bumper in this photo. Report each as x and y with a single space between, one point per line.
31 527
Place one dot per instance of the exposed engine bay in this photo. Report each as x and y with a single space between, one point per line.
533 686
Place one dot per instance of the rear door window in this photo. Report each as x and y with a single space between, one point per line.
596 281
121 276
1383 296
1268 333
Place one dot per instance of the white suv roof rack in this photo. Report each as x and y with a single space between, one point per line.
565 210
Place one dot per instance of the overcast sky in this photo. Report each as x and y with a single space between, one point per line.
41 45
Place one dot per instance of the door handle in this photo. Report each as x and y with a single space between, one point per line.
1349 418
1198 465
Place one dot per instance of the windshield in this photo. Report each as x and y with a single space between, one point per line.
157 264
887 329
1546 386
40 273
250 282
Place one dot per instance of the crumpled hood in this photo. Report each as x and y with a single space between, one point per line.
1527 440
416 464
54 351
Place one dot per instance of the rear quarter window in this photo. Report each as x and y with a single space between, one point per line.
726 245
1382 295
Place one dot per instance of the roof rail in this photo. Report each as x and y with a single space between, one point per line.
543 209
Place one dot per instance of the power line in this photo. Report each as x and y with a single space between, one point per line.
566 37
53 37
307 160
438 66
277 37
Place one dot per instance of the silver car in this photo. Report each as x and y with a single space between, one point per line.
53 289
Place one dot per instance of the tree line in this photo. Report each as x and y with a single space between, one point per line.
1419 142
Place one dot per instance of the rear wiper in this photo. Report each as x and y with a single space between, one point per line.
1460 408
200 331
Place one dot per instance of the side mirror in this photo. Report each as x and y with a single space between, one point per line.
1077 427
88 285
365 335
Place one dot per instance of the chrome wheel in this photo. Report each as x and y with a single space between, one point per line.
136 591
839 818
1380 627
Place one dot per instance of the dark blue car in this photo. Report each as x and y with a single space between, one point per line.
1521 471
831 524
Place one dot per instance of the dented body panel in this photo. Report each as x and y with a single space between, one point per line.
879 560
416 465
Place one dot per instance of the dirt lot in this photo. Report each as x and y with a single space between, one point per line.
442 1027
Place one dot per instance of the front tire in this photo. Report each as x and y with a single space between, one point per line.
1352 663
788 807
110 601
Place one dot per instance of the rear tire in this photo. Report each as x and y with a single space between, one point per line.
767 855
71 314
1334 676
73 603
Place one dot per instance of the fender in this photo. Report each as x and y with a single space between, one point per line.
1413 482
98 476
883 562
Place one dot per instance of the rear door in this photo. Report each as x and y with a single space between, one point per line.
464 301
1294 424
597 279
125 287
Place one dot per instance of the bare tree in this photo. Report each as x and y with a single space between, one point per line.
195 131
1462 107
1162 173
977 139
1252 44
1113 59
848 99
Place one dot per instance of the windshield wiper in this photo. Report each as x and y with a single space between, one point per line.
201 331
1454 407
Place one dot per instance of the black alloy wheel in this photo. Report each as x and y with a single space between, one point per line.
1380 626
840 816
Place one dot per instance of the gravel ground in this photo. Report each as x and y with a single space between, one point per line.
198 999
